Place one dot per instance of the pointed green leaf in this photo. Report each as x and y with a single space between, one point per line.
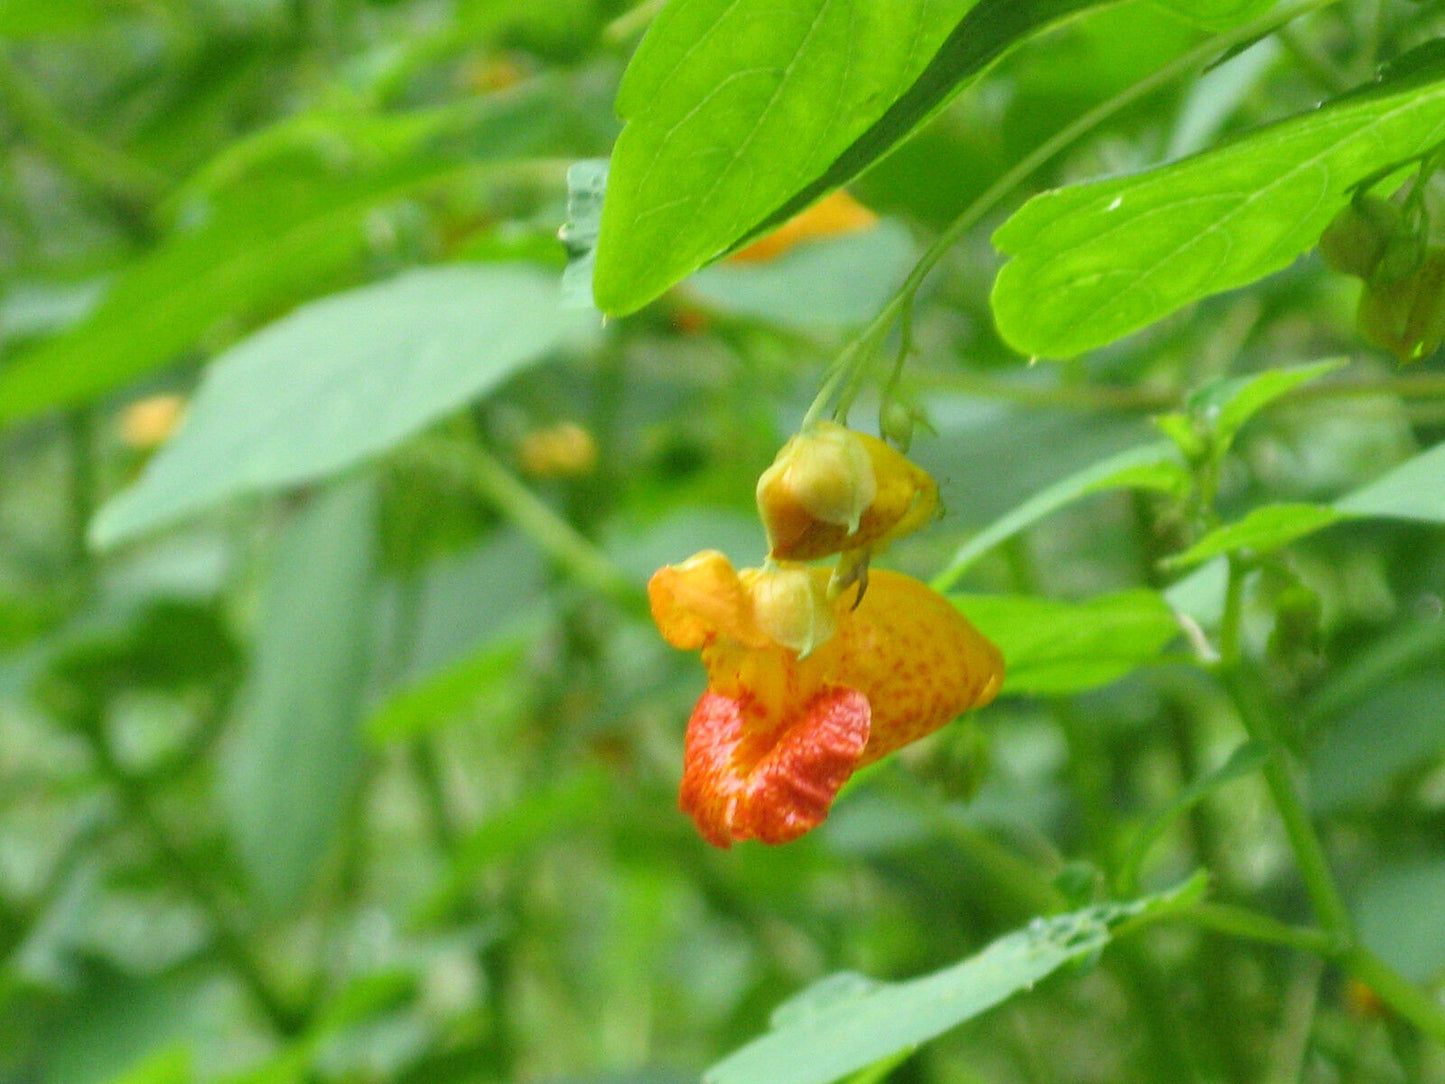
1225 405
1263 530
1053 647
297 746
1413 490
1094 262
846 1034
340 380
740 113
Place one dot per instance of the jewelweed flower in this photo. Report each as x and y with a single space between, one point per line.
832 490
804 689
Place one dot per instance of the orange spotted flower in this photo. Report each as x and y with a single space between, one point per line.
804 688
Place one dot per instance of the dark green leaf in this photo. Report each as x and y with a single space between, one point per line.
1094 262
406 352
1054 648
854 1032
297 750
1363 748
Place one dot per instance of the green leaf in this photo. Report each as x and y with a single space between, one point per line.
123 1027
26 18
1247 758
1217 14
844 1034
1263 530
1054 648
248 258
278 235
297 751
1094 262
1152 466
1398 725
740 113
271 411
427 704
1413 490
1401 915
1224 405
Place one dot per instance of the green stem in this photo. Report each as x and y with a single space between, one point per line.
1404 997
1249 925
132 187
583 561
1256 713
859 352
229 943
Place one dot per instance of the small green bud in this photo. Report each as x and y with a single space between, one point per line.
1357 238
895 423
1406 316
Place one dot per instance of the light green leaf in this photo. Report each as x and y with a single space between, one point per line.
340 380
1217 14
1401 915
1155 466
1413 490
1094 262
27 18
1263 530
740 113
297 750
847 1034
1053 648
836 281
1225 405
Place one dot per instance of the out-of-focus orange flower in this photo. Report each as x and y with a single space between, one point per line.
835 213
803 690
148 423
832 489
564 450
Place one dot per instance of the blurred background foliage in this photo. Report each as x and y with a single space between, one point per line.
340 748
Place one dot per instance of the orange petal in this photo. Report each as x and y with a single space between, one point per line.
700 599
835 213
918 660
739 785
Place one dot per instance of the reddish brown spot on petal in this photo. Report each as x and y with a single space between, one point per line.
738 786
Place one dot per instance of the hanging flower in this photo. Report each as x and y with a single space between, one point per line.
833 490
804 689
